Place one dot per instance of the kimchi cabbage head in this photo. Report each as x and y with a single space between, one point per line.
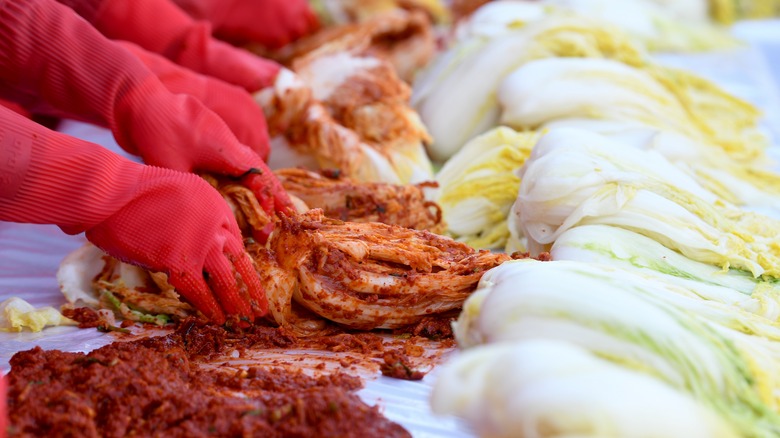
576 177
645 329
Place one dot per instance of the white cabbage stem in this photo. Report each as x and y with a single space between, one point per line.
541 389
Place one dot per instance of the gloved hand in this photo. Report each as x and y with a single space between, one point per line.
162 27
232 104
156 218
50 52
272 23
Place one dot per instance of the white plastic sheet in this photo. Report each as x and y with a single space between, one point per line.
30 254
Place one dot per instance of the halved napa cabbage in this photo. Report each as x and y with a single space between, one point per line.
548 90
576 177
478 186
456 95
544 388
631 251
753 185
673 343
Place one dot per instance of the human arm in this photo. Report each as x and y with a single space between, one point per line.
162 27
52 55
232 104
272 23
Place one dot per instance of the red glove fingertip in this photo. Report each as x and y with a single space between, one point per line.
312 22
195 290
222 279
246 269
269 191
261 235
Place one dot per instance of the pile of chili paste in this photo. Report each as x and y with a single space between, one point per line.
167 385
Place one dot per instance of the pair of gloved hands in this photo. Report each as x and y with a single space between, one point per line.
161 219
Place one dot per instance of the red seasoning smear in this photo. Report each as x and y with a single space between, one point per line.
156 387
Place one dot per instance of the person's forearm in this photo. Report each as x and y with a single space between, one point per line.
156 25
162 27
50 178
53 58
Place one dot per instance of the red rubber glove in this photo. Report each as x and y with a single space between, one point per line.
272 23
51 53
15 107
3 410
156 218
232 104
162 27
